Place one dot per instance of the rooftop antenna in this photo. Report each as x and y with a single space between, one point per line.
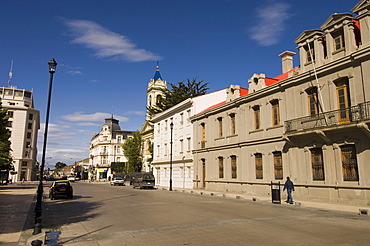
10 74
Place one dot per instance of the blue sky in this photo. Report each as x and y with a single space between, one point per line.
107 51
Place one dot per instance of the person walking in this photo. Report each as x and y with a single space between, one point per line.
289 186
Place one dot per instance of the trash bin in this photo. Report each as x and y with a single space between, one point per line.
275 192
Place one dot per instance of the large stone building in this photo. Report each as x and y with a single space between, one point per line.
105 148
24 123
310 123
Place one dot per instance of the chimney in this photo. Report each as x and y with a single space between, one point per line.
287 60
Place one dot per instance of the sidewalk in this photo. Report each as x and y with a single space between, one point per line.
15 203
297 203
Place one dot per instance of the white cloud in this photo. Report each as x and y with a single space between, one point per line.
270 22
105 43
96 117
136 112
73 72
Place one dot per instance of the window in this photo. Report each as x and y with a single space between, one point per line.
158 149
150 101
220 167
310 53
11 114
317 164
344 102
349 163
188 114
259 168
233 167
165 125
181 118
28 144
119 139
18 93
24 163
313 102
278 165
29 126
27 94
189 144
9 92
159 127
181 145
30 116
338 40
203 135
219 127
11 103
29 135
256 117
165 149
232 124
158 99
9 124
275 112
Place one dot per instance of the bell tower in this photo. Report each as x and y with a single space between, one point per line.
154 91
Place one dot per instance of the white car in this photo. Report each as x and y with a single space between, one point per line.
117 181
72 178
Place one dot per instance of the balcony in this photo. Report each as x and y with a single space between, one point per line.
354 114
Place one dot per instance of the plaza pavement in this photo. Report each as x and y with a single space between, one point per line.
17 225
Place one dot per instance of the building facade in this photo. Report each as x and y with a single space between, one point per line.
23 123
105 148
173 138
310 123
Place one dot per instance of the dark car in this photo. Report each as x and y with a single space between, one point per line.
61 188
143 180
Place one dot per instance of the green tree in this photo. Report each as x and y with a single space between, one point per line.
118 167
59 166
132 151
178 93
5 150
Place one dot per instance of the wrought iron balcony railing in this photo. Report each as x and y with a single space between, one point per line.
331 118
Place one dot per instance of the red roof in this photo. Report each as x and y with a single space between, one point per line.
269 81
243 92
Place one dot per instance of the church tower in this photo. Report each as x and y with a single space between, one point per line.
154 91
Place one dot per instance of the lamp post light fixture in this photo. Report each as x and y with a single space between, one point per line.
38 209
171 127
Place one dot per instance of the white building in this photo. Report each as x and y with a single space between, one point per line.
24 123
105 148
182 138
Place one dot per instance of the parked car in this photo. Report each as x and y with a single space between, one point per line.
117 181
61 188
71 178
143 180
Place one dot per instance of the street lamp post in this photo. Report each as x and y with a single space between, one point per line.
38 209
171 127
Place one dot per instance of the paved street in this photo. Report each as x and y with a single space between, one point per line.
101 214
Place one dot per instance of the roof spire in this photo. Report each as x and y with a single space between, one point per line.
157 74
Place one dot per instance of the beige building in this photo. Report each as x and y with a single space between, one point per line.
24 123
105 148
310 123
